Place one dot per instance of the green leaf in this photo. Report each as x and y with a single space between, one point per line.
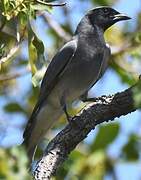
41 7
32 50
37 77
39 45
105 136
23 18
130 150
35 49
13 107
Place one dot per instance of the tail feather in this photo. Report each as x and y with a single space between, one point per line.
37 129
31 150
31 153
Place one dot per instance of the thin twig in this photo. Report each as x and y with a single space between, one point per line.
50 4
56 27
8 77
14 49
10 54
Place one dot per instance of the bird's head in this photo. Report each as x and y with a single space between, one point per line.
105 17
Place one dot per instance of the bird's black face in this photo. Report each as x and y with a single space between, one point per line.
105 17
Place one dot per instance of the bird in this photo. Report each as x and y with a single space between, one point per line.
74 69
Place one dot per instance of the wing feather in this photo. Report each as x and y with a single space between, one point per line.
57 65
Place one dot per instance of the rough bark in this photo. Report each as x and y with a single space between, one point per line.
102 109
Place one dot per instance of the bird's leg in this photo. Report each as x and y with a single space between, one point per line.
84 97
64 107
69 118
89 99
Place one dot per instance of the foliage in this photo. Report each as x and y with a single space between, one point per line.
23 53
15 169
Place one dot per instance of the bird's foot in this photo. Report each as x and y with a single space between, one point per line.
71 121
69 118
84 97
93 99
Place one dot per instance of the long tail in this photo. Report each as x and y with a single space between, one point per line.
47 116
31 150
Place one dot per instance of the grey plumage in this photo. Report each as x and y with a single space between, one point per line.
72 72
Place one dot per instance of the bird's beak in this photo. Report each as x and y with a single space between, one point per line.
120 17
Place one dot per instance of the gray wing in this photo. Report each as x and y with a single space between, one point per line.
57 65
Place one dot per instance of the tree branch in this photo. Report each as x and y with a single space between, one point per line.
103 109
14 49
56 27
8 77
10 54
